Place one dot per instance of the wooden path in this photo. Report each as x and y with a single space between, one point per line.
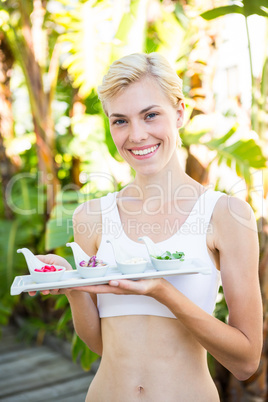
39 373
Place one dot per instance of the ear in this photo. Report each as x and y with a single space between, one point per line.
180 113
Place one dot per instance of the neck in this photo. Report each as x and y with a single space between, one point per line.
165 184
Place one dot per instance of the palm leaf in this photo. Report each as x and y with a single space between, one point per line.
191 138
241 155
85 54
246 8
8 231
168 29
80 350
95 34
215 143
259 7
59 228
58 234
130 37
109 141
26 227
86 51
220 11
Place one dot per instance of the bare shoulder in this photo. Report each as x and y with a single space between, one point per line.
232 213
235 234
87 225
88 211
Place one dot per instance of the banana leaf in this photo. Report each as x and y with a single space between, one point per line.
246 8
243 155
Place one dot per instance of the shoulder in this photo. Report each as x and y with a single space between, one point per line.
87 226
88 211
233 219
230 210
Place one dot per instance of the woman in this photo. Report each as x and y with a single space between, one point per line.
153 335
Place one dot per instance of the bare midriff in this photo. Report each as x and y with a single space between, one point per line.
151 359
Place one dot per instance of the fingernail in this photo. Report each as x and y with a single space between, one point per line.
114 283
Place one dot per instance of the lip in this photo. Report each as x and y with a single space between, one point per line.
141 148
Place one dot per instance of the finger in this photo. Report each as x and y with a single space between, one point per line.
55 291
52 259
93 288
141 287
132 286
32 293
47 259
97 289
45 292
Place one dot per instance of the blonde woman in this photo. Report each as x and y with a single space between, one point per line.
153 335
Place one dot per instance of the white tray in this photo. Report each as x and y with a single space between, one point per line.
72 279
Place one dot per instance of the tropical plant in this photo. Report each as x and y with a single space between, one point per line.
256 386
28 43
62 72
259 90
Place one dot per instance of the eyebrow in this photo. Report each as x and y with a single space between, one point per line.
141 112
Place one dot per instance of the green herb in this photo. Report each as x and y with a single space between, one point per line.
178 255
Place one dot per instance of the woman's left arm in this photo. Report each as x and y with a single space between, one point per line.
238 344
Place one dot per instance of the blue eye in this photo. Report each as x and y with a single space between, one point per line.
151 115
119 122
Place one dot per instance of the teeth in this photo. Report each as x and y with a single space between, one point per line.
145 151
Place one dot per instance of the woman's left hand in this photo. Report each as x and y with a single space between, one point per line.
147 287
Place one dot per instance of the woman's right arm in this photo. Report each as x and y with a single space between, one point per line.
86 225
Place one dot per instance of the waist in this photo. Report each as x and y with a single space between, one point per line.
180 387
152 359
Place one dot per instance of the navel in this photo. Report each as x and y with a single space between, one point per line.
140 389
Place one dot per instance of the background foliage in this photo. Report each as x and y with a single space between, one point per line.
55 146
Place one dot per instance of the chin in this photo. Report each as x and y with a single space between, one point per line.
147 171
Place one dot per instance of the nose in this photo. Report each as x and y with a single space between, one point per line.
137 132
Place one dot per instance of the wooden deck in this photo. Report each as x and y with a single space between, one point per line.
40 373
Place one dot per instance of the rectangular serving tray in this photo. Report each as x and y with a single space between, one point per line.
72 279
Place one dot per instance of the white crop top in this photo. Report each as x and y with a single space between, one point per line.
190 238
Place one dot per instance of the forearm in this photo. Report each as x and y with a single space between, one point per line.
86 320
230 346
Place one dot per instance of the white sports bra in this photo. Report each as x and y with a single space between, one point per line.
190 238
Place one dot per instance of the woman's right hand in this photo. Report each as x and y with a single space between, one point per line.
52 259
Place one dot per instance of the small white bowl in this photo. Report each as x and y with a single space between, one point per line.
131 268
166 265
92 272
43 277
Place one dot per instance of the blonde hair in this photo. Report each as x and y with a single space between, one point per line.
134 67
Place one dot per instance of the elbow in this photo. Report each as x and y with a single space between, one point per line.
247 370
97 350
94 345
247 366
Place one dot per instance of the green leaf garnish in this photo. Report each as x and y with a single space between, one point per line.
178 255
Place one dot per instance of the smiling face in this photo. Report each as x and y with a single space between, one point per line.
144 126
